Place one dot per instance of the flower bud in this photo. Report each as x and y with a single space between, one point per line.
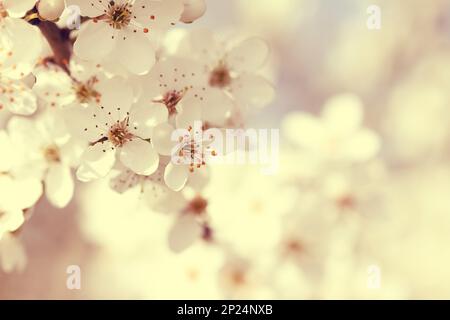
193 9
50 9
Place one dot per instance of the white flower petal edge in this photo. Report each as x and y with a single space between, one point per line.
139 156
176 176
12 254
161 139
184 232
96 162
249 55
18 8
59 185
10 221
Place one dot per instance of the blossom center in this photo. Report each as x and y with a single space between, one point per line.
197 205
3 12
194 150
171 100
220 77
294 246
118 16
119 134
238 278
52 154
85 92
346 202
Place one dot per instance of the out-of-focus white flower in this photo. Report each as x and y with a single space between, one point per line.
124 31
17 195
114 129
232 67
274 18
338 135
414 234
12 254
85 85
347 278
251 222
46 151
290 282
415 121
241 278
16 9
18 192
191 224
20 46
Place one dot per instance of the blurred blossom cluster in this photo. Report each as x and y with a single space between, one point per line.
359 207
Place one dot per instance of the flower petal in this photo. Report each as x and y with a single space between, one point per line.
134 51
190 112
54 86
304 130
199 179
184 232
216 107
7 158
95 40
59 185
248 55
18 98
12 254
361 146
96 162
81 122
116 93
162 139
10 221
18 8
158 15
29 189
145 116
139 156
252 91
176 176
23 55
343 114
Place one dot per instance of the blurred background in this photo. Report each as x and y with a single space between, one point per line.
360 207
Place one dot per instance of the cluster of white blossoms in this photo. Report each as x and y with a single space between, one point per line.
102 102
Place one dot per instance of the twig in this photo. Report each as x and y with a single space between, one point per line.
59 41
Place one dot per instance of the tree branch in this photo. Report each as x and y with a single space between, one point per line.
59 42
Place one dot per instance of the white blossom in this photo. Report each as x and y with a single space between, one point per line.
124 31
